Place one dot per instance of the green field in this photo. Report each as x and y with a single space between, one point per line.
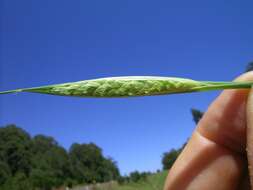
153 182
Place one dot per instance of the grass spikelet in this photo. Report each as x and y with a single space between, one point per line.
131 86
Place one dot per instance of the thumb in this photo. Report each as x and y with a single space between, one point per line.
250 135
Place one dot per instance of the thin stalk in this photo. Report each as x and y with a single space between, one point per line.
11 91
224 85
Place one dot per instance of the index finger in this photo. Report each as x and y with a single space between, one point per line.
214 157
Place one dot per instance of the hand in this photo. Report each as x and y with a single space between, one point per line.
215 157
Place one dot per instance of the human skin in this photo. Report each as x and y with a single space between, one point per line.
219 155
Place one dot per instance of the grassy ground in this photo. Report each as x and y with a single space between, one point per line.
153 182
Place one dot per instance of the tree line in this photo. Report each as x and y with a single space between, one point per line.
39 162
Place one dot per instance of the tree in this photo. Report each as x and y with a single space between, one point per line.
197 115
42 143
84 159
169 158
138 176
50 163
5 172
17 182
249 67
109 170
15 146
135 176
88 165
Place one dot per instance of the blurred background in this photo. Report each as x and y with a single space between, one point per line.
49 42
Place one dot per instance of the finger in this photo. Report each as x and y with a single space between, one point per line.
225 120
214 157
250 134
205 164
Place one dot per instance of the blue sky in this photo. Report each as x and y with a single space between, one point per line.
47 42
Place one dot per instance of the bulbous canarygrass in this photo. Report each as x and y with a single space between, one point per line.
131 86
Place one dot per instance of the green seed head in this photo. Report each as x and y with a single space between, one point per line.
122 87
131 86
